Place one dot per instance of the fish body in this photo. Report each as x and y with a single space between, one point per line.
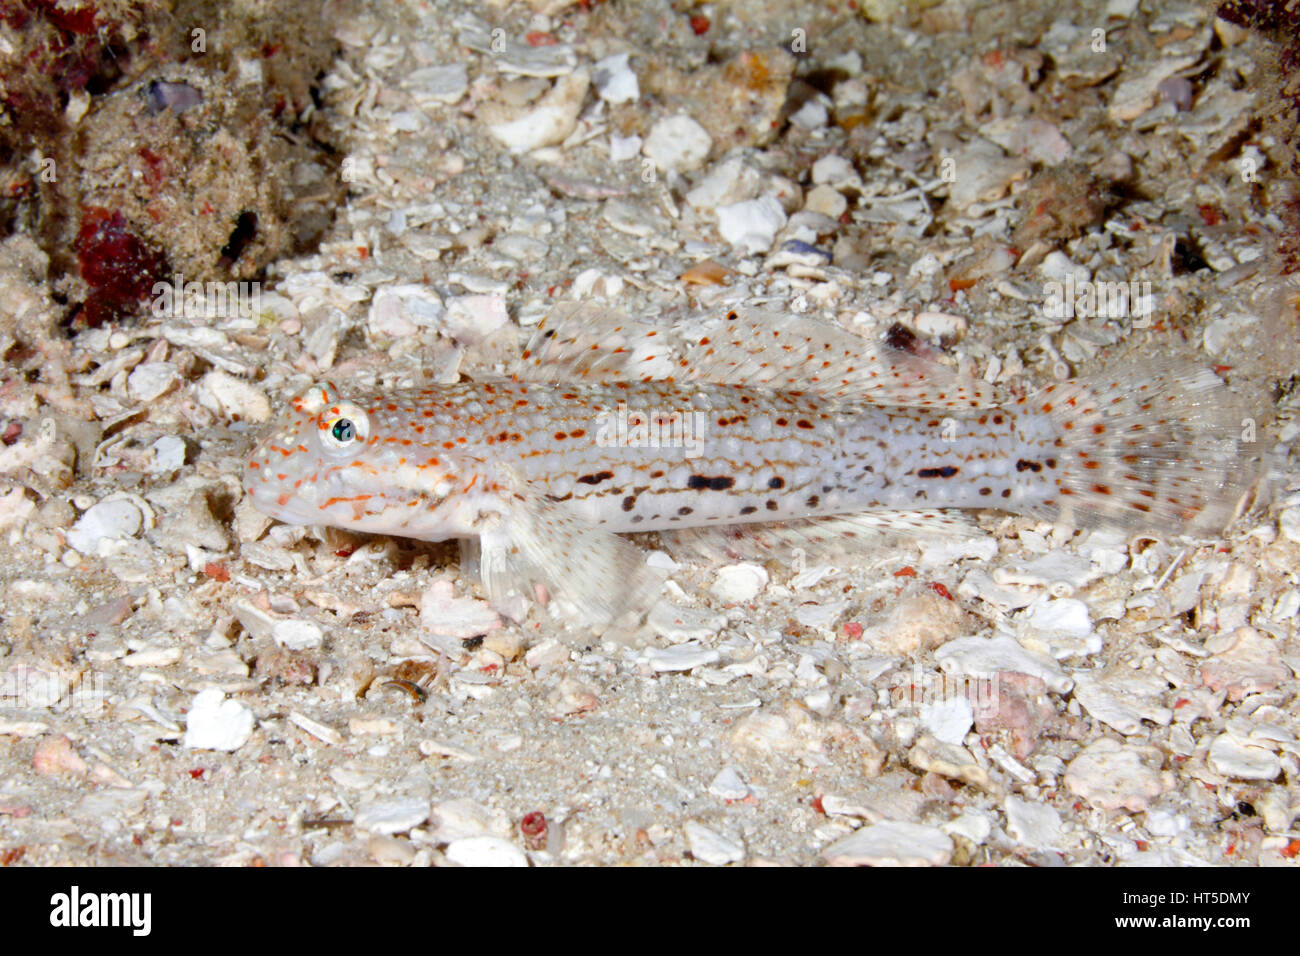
542 472
646 456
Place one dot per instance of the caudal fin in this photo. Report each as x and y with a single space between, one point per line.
1162 448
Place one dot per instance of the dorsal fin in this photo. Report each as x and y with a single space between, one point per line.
583 341
755 348
800 353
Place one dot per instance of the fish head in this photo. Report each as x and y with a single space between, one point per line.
349 462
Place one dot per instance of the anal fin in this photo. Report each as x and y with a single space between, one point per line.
819 537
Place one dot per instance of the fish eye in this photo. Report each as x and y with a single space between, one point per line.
343 427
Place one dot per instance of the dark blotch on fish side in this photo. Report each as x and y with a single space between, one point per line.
710 483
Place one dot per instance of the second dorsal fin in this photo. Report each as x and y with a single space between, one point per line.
762 349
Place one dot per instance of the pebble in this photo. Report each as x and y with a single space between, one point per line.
992 261
1289 524
736 583
544 60
1136 94
108 808
940 325
1111 775
321 732
971 825
1058 627
37 686
835 171
1166 823
231 398
1123 701
680 657
549 122
797 253
485 851
463 818
153 657
792 731
470 319
947 552
623 147
890 843
442 613
521 248
812 576
329 855
948 760
751 226
918 622
54 756
16 509
678 143
1057 267
151 381
167 454
983 174
106 521
614 79
730 181
1244 662
820 615
709 846
406 121
1034 139
949 719
441 84
986 657
1062 574
1035 825
391 816
391 851
826 200
550 653
215 723
1177 90
728 785
23 728
297 635
397 311
812 115
1233 757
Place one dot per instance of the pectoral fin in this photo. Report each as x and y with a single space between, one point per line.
593 577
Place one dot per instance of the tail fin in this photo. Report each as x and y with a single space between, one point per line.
1162 448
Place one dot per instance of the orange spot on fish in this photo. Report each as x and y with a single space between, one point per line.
333 501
